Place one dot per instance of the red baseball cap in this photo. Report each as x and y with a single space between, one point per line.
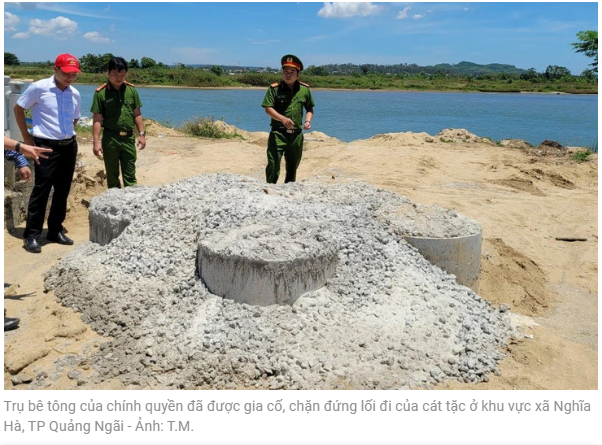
67 63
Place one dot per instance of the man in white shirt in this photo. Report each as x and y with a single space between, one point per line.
55 109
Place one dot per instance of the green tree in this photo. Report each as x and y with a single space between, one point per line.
11 59
555 72
217 70
316 71
95 64
133 64
588 45
147 62
531 75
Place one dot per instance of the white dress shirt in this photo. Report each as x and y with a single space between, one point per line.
52 110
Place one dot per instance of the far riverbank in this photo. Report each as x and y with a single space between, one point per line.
195 78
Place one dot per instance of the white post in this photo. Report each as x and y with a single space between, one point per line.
11 95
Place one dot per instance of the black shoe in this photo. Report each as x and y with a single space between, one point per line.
60 238
32 245
10 323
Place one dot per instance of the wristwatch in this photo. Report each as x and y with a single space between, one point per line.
18 147
142 133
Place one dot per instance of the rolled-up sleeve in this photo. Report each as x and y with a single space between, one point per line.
17 158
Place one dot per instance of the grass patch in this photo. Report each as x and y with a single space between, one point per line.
83 130
581 156
207 127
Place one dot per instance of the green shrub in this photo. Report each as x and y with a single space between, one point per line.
581 156
206 127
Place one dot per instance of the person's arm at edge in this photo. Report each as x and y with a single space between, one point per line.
30 151
18 159
96 142
22 124
309 115
139 121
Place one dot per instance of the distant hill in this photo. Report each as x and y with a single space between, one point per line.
459 69
466 68
462 68
228 67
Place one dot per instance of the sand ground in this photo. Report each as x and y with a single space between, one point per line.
525 198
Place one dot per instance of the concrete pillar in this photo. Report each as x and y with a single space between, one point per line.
17 195
12 91
249 266
458 256
6 113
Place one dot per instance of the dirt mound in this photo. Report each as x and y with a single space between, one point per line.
318 136
397 139
154 128
515 143
451 135
520 185
89 180
550 177
552 149
520 281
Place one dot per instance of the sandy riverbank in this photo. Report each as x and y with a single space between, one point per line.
525 200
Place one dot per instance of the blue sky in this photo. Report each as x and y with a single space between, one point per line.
527 35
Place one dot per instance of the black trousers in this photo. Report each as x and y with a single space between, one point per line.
55 172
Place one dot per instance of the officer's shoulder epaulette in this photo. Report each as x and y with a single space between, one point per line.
304 84
275 84
100 88
130 84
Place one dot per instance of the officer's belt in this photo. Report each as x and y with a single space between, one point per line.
286 130
54 141
120 133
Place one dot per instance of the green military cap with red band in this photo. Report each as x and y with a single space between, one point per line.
292 61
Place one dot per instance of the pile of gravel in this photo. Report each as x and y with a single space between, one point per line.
387 319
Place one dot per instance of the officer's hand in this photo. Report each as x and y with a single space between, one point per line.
141 142
97 150
288 123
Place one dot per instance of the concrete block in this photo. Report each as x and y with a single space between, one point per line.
256 267
458 256
104 227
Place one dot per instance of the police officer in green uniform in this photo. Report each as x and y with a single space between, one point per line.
116 108
284 103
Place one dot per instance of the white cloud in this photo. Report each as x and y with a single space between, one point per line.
348 9
59 28
95 36
21 35
403 14
10 22
61 8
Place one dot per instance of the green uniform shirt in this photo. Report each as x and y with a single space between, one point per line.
116 106
289 103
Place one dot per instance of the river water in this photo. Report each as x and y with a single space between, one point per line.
350 115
